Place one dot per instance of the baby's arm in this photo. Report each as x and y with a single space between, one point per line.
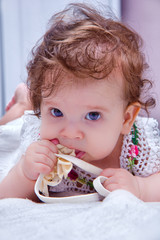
145 188
150 188
16 185
20 181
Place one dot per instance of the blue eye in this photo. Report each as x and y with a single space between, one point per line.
56 112
93 116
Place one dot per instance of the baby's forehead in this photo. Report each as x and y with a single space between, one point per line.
68 82
99 95
68 78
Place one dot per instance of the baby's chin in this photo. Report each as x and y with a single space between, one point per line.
88 158
94 160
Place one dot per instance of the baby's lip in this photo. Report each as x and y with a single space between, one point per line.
79 154
55 141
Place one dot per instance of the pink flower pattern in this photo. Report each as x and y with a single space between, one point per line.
134 148
134 151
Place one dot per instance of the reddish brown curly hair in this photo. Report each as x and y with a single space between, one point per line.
82 42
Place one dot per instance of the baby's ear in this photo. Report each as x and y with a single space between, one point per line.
130 114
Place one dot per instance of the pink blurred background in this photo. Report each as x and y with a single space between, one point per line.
144 17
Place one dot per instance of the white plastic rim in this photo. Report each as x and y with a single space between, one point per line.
97 183
91 197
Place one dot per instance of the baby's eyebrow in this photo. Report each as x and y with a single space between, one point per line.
88 107
48 102
97 108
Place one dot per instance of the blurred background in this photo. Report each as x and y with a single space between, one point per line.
23 22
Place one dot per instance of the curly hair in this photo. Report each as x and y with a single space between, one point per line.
82 42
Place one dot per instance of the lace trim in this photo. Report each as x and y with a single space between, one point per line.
147 161
78 181
134 148
30 130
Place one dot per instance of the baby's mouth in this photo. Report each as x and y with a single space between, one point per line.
78 153
55 141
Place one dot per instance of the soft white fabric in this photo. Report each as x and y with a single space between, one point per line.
121 216
10 151
15 137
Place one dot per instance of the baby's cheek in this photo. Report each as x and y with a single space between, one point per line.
103 149
41 132
48 131
44 132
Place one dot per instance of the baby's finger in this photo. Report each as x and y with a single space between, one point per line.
43 168
48 149
109 172
52 147
38 168
46 153
110 187
110 180
50 162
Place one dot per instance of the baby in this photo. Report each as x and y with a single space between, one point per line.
86 82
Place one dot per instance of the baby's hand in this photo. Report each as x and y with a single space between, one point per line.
119 178
39 158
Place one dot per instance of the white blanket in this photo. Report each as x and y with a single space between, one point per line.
120 216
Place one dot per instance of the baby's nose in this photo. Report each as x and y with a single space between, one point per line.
72 131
